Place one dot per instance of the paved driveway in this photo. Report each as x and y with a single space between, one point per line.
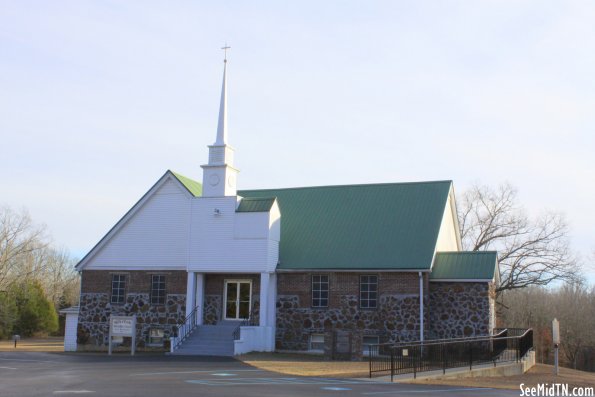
56 374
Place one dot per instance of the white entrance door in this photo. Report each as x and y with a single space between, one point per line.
238 294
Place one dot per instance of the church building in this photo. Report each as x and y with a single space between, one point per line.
208 269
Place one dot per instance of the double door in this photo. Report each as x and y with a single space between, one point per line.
238 295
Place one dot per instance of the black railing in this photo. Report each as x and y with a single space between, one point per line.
184 329
511 331
441 355
247 322
500 332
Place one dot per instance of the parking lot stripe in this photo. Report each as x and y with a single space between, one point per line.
273 381
196 372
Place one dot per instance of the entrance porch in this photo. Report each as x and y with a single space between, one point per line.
228 314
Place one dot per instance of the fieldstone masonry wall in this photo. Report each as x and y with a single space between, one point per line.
96 308
396 317
460 309
451 309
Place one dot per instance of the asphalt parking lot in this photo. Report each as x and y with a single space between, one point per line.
54 374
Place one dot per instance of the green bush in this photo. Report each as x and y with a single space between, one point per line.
8 314
35 313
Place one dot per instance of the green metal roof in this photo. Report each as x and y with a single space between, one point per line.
380 226
193 187
475 265
256 204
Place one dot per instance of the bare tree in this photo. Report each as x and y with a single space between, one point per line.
535 307
60 279
21 243
530 251
573 308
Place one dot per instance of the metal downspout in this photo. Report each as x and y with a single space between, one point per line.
421 307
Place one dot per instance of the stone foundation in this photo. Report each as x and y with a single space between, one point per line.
396 319
459 310
96 309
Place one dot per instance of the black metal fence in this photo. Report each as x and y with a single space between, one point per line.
443 354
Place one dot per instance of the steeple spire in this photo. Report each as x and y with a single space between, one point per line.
222 124
219 175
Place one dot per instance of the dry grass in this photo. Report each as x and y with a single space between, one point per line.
50 344
306 365
309 365
540 373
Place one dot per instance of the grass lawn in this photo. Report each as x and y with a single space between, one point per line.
49 344
306 365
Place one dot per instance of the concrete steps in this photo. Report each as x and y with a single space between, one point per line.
209 340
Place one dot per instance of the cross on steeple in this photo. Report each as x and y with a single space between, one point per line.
225 48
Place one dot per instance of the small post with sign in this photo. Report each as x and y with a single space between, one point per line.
556 340
122 326
16 338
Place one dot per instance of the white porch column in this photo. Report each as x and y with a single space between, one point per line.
190 293
264 298
272 303
200 296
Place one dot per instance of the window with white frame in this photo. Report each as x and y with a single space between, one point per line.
319 290
157 289
118 288
367 341
368 291
317 342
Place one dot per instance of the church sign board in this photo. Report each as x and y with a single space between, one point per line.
121 326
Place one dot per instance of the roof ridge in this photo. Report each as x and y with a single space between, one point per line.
259 198
466 252
354 185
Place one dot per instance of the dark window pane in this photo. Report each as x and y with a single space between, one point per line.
319 290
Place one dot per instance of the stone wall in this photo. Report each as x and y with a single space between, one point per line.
396 317
96 308
460 309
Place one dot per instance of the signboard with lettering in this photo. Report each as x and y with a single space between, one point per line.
119 327
556 331
122 326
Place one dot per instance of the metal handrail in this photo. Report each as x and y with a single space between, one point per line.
428 341
440 355
185 328
245 323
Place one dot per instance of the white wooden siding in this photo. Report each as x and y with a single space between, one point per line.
216 245
447 237
155 237
169 229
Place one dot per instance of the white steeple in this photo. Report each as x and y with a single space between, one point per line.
219 175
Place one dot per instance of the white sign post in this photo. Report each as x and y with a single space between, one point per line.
556 340
121 326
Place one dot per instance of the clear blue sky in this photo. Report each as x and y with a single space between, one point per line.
99 98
